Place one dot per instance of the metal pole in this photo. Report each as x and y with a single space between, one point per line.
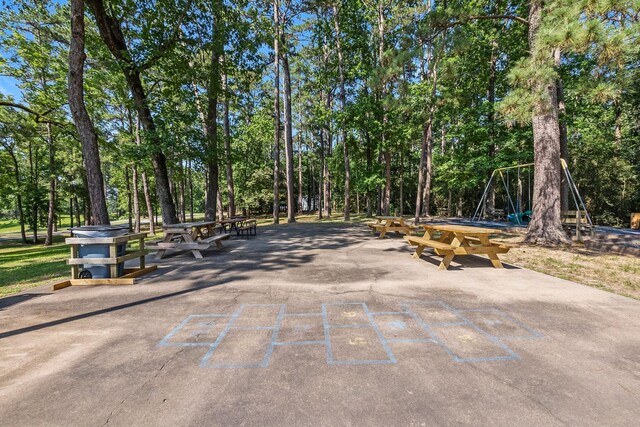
484 195
509 197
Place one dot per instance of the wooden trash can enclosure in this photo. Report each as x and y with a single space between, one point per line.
98 255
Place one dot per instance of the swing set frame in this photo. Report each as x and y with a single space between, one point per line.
480 211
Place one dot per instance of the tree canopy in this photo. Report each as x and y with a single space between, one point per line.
350 106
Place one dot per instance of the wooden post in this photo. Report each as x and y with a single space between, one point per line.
578 233
113 253
75 269
142 255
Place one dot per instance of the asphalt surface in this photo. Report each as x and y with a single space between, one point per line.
321 325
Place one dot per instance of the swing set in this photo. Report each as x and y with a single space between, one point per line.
517 210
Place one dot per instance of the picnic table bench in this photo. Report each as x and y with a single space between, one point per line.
191 236
385 224
458 240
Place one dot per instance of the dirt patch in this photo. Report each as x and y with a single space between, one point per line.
614 273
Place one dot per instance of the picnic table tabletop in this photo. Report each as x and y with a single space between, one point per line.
385 224
189 224
232 220
462 229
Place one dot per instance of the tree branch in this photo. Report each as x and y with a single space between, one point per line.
39 117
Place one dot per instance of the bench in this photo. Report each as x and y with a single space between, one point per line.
217 239
493 242
249 228
497 214
195 246
576 219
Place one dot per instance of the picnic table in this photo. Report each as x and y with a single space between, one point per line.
458 240
240 224
192 236
384 224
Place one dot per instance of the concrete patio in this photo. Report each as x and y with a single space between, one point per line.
321 324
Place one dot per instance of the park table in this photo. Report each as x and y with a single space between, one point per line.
232 223
458 240
384 224
192 236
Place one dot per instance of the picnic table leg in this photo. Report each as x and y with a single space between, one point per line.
166 239
418 253
495 260
382 233
196 253
444 265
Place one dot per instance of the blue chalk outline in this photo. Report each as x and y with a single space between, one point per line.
391 359
165 341
511 355
533 334
497 341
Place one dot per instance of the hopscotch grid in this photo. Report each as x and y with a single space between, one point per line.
406 308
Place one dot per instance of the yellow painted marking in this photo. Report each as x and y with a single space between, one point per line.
465 338
357 341
349 314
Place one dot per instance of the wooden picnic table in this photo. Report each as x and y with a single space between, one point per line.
384 224
458 240
193 236
240 224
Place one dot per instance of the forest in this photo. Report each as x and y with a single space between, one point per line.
159 110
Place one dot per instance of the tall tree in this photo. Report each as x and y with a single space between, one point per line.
343 125
276 112
110 29
88 138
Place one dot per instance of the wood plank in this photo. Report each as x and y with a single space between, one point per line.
180 246
415 240
108 261
216 237
93 282
103 240
137 272
60 284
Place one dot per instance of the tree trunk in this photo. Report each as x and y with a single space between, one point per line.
16 175
545 227
288 136
190 192
145 187
343 127
51 214
385 118
136 200
227 149
276 113
88 138
129 198
564 143
300 196
212 115
111 33
181 193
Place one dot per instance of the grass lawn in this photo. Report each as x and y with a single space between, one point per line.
26 266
